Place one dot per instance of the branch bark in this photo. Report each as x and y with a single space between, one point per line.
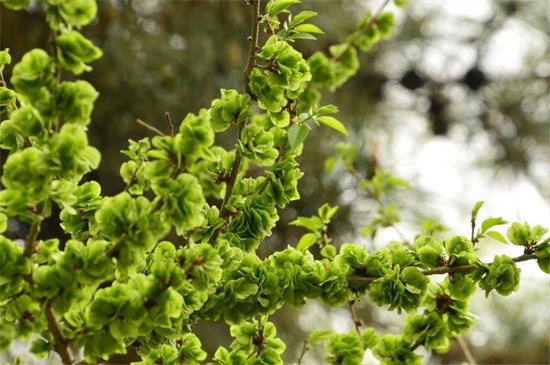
253 45
61 345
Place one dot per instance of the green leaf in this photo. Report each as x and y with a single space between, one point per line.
326 211
334 124
296 135
519 234
3 222
313 223
503 276
78 13
327 109
16 4
543 249
319 335
537 232
491 222
257 145
476 209
306 241
275 7
41 348
301 36
497 236
301 17
330 163
544 264
401 3
5 58
309 28
75 51
329 251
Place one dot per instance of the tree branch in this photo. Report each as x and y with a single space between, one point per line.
467 353
356 320
31 239
253 45
149 127
61 345
246 77
304 350
464 269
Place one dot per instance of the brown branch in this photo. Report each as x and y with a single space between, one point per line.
304 350
170 124
149 127
31 239
464 269
467 353
231 183
356 320
30 243
246 78
61 345
253 45
473 239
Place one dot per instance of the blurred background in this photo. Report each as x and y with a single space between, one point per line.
457 103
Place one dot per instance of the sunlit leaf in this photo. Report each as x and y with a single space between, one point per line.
309 28
301 17
306 241
334 124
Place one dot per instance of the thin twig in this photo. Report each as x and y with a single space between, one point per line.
246 78
464 347
473 224
253 45
260 340
356 320
374 18
149 127
30 243
304 350
170 124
